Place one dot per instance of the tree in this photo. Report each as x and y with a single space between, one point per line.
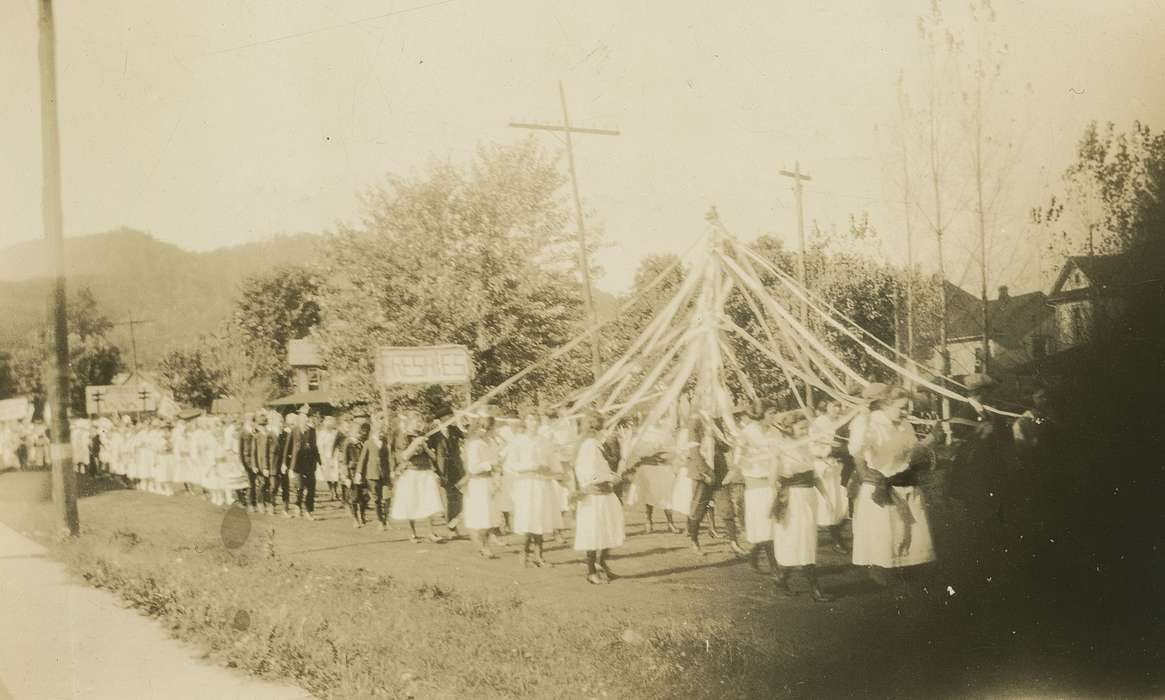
477 256
273 308
1114 193
190 378
238 372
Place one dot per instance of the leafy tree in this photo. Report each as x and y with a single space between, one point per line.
191 378
477 256
1113 192
275 307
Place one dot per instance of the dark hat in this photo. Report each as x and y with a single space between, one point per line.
261 419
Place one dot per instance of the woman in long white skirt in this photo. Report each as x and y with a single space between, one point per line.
230 466
599 523
891 529
756 455
654 478
536 512
562 436
329 468
795 513
481 515
833 499
417 494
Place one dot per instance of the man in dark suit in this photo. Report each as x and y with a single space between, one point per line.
355 469
280 479
264 463
247 458
375 463
446 445
303 457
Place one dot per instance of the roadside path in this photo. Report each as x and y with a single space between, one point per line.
61 640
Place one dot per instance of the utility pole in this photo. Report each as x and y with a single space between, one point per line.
978 158
133 338
584 264
798 178
64 479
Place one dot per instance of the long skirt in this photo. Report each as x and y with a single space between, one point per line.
562 493
479 508
503 496
795 535
758 523
681 493
598 522
536 506
417 496
880 531
232 476
833 505
653 486
329 470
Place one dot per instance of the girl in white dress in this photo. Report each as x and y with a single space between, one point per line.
795 512
536 506
230 465
329 469
599 516
481 515
891 529
756 458
654 477
833 500
417 493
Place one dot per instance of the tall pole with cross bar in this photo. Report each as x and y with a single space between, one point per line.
584 264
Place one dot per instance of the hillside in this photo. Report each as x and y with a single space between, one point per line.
183 294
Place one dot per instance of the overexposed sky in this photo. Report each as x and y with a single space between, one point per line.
221 121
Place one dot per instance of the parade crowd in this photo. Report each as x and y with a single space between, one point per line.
772 485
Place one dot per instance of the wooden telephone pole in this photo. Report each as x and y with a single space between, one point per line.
64 479
584 264
799 177
133 337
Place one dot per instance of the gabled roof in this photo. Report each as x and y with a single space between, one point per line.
1011 319
1142 265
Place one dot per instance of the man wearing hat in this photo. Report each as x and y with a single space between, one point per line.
303 458
247 459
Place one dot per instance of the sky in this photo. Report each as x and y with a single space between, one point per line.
218 122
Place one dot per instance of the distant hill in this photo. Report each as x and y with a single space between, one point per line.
184 294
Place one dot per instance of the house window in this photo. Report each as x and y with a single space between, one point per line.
978 359
1079 324
313 379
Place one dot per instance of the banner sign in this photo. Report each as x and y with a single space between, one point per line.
119 398
19 408
433 364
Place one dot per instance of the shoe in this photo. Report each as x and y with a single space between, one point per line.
436 539
819 596
595 579
287 514
607 574
542 563
840 548
650 529
309 516
414 539
384 527
357 524
697 550
674 530
714 534
737 549
486 554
